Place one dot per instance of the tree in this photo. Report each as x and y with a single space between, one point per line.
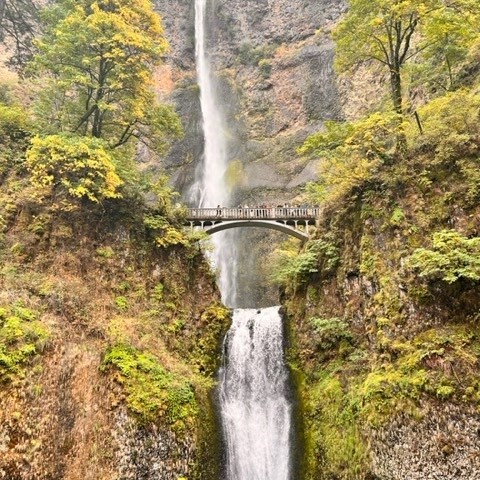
98 58
19 21
451 34
351 154
391 32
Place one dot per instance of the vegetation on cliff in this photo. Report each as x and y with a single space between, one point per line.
392 324
93 256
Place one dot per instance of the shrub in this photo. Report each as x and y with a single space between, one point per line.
450 125
21 337
451 258
351 153
330 331
14 133
80 167
291 266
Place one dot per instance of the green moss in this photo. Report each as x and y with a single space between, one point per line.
333 432
22 336
152 391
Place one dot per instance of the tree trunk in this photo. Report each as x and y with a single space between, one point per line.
396 90
3 6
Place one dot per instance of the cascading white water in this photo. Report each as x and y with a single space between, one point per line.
210 189
256 414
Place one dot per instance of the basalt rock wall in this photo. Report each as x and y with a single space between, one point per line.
274 64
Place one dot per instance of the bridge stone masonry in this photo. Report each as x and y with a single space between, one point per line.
295 221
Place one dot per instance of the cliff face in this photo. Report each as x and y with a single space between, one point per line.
273 62
387 358
108 347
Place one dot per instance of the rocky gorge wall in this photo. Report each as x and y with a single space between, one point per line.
387 362
274 66
108 349
273 62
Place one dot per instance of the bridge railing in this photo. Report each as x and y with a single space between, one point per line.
241 213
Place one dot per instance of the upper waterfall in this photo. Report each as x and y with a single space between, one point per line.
210 188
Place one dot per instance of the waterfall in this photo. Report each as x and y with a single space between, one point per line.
255 412
210 189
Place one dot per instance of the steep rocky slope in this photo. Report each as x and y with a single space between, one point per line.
108 345
384 321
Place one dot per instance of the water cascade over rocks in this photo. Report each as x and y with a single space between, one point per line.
253 393
256 413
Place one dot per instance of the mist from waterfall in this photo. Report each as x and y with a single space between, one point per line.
255 411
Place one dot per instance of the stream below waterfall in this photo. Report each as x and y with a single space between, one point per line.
255 412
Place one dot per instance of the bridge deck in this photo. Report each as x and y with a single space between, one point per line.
253 213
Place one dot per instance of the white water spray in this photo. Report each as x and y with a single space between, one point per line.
256 414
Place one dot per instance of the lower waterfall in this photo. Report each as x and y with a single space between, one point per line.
255 410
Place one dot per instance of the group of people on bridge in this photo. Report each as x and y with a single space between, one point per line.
258 211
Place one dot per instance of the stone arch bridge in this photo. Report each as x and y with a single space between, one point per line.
295 221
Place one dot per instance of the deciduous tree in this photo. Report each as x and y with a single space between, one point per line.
98 58
19 21
391 32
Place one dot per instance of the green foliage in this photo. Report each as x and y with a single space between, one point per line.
452 257
215 320
14 133
431 363
330 332
351 154
165 234
152 391
121 303
291 266
78 167
390 33
265 67
22 336
397 217
250 55
97 60
449 37
105 252
450 126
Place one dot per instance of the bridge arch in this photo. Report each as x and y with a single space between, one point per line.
281 227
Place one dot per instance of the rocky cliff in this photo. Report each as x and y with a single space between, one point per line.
109 344
273 62
386 345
